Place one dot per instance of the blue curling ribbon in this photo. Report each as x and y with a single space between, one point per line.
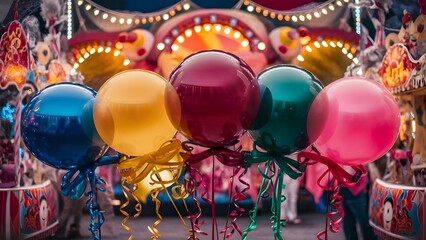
76 187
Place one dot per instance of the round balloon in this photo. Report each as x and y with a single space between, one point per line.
219 97
353 121
293 90
130 113
58 130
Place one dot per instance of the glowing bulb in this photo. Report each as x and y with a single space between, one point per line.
166 17
129 21
100 49
237 34
302 18
245 43
80 60
207 27
331 7
197 29
150 19
355 60
119 45
218 27
280 17
160 46
105 15
324 43
88 7
121 21
309 16
332 44
181 39
227 30
308 48
86 55
346 1
339 3
265 13
324 11
339 44
186 6
92 51
80 2
188 32
317 44
294 19
96 12
250 8
258 9
350 56
137 21
116 53
108 49
126 62
344 51
76 65
316 14
113 19
175 47
300 58
261 46
359 72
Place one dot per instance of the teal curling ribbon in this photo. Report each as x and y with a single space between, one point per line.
273 155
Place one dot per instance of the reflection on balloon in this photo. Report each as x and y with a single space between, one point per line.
53 126
292 90
353 121
219 97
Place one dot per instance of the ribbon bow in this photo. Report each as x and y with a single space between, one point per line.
134 170
228 157
342 177
274 153
75 187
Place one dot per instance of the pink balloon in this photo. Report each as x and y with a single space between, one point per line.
353 121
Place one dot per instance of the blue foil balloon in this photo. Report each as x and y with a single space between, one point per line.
57 126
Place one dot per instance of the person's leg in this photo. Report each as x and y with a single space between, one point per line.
349 221
289 206
361 215
77 206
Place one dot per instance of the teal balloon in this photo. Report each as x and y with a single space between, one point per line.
293 90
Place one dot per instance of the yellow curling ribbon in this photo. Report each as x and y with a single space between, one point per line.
134 170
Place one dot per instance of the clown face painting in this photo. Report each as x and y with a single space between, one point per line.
388 214
43 214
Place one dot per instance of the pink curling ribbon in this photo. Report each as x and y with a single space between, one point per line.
238 196
232 158
341 178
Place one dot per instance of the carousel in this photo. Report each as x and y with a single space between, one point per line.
88 42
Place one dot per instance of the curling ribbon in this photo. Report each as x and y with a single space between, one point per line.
292 168
263 193
238 196
73 187
192 180
228 157
134 170
341 178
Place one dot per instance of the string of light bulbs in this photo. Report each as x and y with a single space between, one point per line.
346 49
134 17
295 16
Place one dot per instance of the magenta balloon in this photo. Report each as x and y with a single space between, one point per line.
353 121
219 97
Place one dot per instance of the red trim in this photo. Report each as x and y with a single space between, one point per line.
334 33
84 37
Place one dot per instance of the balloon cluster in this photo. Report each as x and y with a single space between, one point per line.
212 98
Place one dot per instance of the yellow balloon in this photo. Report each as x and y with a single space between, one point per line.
130 114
